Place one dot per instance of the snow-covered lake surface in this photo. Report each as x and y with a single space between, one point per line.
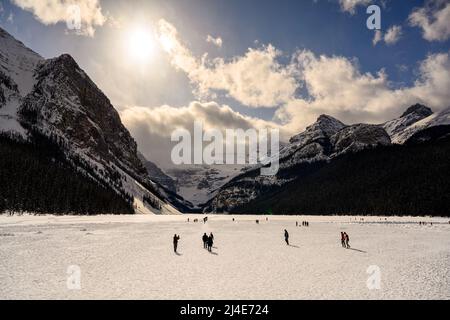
131 257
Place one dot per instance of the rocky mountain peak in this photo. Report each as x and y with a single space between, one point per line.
418 109
396 128
329 124
324 127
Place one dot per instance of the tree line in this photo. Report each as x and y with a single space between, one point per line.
36 176
393 180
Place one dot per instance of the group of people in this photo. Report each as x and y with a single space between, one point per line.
421 223
208 241
345 239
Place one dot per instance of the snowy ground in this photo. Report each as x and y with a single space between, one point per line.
131 257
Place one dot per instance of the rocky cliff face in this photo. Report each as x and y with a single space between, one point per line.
56 98
65 102
157 175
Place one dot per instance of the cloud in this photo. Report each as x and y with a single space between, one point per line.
351 5
337 87
434 19
378 36
215 41
83 16
333 85
152 127
391 37
255 79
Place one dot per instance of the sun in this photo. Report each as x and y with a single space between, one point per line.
140 44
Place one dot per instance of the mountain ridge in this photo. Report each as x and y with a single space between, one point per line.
322 142
64 104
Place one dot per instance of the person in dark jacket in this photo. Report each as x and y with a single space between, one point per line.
343 240
347 240
286 236
205 241
210 242
175 242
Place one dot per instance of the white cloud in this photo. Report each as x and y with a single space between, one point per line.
152 127
393 35
215 41
333 85
337 87
378 36
351 5
255 79
53 11
434 19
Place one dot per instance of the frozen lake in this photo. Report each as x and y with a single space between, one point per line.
131 257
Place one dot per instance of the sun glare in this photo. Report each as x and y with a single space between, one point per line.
140 44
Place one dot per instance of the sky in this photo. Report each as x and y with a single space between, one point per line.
245 63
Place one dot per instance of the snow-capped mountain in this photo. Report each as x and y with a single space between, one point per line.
57 98
156 174
324 140
199 183
415 120
17 69
396 128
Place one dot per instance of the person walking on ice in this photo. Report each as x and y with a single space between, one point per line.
347 240
205 241
175 242
286 236
343 240
210 242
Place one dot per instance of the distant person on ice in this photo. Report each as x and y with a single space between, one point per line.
210 242
175 242
347 240
343 240
286 236
205 240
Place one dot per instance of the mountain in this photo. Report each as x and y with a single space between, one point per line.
439 119
157 175
199 183
396 128
323 141
410 179
322 146
17 68
56 99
